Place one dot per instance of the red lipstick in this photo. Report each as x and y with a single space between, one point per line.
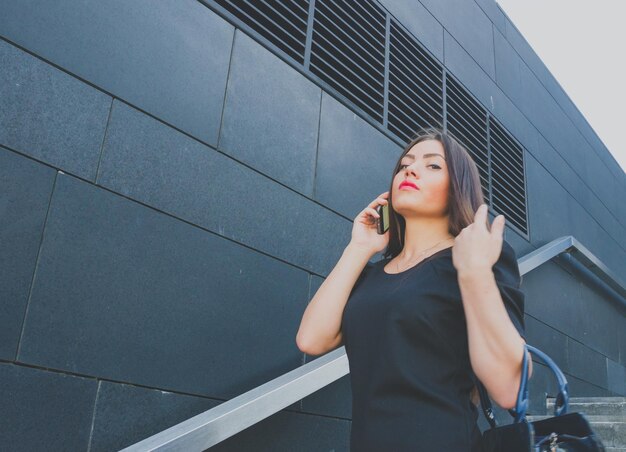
406 183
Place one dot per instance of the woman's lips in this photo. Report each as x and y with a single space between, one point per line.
408 186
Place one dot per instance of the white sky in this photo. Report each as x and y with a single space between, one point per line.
583 44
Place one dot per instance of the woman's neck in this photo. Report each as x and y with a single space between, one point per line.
423 233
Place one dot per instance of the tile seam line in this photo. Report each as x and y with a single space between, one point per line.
37 261
540 80
173 127
540 133
151 388
290 188
163 212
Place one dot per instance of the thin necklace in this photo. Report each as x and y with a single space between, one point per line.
421 253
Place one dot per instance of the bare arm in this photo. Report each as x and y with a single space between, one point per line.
320 328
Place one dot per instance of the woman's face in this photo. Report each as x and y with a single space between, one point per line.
424 166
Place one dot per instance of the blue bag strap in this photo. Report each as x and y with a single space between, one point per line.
521 406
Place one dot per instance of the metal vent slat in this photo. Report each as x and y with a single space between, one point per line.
286 33
402 97
303 7
464 104
356 36
319 66
377 14
513 189
354 67
360 86
427 62
508 179
346 54
467 121
340 55
510 213
415 97
396 72
481 158
512 149
518 177
360 58
415 126
365 22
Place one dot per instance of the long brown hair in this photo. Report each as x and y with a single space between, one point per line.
465 194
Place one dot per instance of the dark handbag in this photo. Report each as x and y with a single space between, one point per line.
563 432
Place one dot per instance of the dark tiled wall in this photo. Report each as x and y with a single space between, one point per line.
173 194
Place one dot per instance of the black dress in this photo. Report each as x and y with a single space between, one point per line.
405 336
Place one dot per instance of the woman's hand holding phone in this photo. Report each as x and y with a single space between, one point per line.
365 228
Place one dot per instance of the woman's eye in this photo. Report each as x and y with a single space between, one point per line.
435 165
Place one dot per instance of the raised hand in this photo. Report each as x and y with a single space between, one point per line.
477 247
364 229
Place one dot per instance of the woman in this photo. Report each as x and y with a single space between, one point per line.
442 308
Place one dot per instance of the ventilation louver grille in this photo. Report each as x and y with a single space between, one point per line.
282 22
348 51
415 86
343 46
467 123
507 176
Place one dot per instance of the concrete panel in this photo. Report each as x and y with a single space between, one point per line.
154 164
130 294
286 431
467 22
495 14
168 58
126 414
271 116
507 68
549 340
25 190
44 410
587 364
355 162
617 377
463 67
48 114
420 23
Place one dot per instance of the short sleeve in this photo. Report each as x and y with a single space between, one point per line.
508 280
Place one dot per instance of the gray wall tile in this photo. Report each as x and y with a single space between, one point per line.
271 116
420 22
507 68
49 115
25 189
168 58
286 431
549 340
617 377
495 14
154 164
127 414
129 294
467 71
355 162
587 364
44 410
467 22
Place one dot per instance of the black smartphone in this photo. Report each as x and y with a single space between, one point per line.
382 223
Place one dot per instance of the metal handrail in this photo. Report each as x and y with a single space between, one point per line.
231 417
